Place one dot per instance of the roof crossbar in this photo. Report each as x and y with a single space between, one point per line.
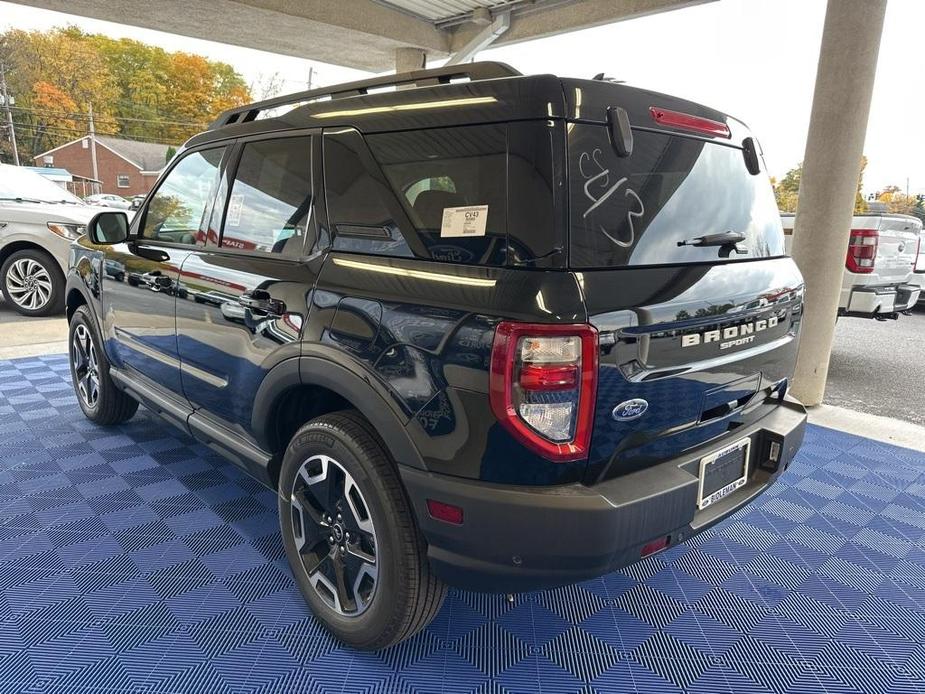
419 78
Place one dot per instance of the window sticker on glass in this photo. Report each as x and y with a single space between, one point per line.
464 221
235 207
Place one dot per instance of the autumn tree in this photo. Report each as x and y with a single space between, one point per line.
136 90
787 191
898 202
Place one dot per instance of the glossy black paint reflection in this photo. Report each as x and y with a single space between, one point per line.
643 315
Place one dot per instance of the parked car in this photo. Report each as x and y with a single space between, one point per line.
515 337
918 274
109 200
878 278
136 201
38 221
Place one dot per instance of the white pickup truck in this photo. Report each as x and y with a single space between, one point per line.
882 252
918 275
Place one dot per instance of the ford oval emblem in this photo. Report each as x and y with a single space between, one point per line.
630 409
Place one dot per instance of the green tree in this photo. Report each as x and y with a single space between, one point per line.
787 190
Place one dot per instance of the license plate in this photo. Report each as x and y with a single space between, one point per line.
723 472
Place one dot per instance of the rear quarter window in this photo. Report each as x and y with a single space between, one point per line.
397 193
633 211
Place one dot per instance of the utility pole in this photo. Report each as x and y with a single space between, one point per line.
7 102
96 173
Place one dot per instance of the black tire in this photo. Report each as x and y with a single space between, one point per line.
407 596
11 280
111 405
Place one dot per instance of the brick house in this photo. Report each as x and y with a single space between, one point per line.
126 167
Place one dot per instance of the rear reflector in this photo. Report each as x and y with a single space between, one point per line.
655 546
862 250
448 513
685 121
542 386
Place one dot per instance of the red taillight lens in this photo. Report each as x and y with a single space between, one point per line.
919 258
685 121
862 250
543 383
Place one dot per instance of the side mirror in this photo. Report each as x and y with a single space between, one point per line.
108 228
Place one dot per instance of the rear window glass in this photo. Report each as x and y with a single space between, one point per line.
630 211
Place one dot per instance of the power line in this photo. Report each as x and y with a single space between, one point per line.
78 132
85 117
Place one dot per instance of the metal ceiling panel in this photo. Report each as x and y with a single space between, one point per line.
440 10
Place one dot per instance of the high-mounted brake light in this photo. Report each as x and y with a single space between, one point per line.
543 383
686 121
862 250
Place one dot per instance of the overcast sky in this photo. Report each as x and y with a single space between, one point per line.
754 59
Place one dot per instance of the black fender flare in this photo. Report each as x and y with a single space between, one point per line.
362 391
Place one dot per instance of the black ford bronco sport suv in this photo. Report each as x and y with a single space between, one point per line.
496 331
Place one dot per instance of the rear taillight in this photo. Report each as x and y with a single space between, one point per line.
543 382
862 250
919 257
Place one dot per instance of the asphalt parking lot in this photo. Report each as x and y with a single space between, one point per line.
879 368
876 367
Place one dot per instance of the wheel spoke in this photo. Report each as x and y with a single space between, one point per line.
340 582
310 531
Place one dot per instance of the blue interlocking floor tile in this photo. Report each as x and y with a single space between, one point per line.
134 560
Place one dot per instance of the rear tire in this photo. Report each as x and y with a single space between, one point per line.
97 395
341 503
32 283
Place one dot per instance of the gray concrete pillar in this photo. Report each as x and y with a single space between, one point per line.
408 59
831 165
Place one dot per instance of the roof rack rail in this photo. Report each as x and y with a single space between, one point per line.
419 78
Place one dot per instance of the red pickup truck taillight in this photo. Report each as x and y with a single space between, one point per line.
543 383
862 250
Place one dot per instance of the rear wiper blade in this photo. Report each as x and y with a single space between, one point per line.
728 238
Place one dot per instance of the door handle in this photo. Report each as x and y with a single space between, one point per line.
260 301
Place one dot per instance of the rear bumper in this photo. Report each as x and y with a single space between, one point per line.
872 301
515 539
918 280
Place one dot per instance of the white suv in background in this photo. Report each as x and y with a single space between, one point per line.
38 221
882 252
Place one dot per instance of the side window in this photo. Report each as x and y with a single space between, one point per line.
269 209
452 184
178 211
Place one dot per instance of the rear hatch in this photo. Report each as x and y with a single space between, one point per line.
696 340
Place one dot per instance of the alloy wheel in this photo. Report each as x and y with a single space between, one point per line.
86 366
29 284
335 535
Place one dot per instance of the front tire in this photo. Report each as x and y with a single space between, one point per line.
32 283
97 395
350 536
